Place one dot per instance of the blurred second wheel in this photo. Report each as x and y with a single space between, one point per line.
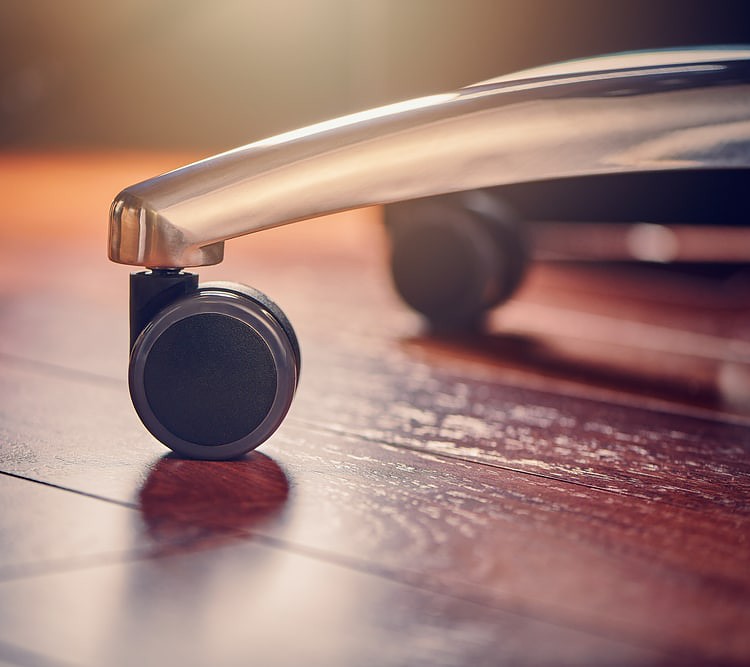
454 257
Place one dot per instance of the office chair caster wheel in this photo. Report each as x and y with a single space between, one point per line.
455 256
213 373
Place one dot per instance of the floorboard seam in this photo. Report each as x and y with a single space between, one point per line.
78 492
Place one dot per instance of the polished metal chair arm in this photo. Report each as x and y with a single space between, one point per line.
644 112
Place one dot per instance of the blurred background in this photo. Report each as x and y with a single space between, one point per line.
206 75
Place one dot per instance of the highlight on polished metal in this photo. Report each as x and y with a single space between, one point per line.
650 111
214 368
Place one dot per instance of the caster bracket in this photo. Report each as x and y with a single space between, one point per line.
151 291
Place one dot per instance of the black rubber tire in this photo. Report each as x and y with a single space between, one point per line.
213 374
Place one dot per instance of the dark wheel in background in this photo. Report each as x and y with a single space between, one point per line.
456 256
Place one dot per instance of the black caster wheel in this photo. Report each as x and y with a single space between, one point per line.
213 372
455 256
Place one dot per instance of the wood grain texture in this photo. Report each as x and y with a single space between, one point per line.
524 543
571 487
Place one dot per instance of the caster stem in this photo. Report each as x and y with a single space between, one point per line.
151 291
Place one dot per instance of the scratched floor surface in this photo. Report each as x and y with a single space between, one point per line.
572 487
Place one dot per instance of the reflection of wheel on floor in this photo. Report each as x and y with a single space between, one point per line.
455 256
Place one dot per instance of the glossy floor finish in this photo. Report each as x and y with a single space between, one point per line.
571 488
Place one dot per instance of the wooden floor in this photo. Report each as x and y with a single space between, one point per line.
572 488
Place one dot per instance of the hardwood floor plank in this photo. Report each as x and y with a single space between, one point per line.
698 462
63 537
46 529
43 528
224 606
521 542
